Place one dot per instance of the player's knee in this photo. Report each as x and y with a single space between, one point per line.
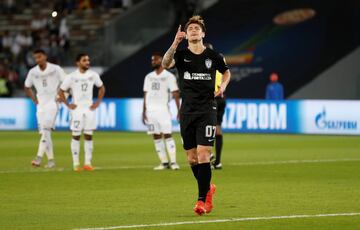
87 137
204 154
192 161
76 137
157 136
168 135
192 156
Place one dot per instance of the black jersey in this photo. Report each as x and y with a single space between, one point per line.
197 79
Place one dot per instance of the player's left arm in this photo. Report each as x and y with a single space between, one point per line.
224 83
100 97
176 96
224 69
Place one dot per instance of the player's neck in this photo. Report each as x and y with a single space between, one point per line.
42 66
196 47
159 70
82 70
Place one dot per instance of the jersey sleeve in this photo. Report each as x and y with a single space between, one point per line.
146 84
98 82
221 64
178 58
172 83
65 85
29 80
62 74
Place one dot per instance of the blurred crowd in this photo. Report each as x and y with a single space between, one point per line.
46 30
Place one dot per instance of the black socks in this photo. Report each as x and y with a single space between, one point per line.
218 148
203 179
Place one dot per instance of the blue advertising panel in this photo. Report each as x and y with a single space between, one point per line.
241 116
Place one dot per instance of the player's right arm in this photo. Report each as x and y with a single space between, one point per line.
65 86
146 88
144 117
28 90
168 59
29 93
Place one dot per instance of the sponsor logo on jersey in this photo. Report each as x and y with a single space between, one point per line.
197 76
208 63
187 60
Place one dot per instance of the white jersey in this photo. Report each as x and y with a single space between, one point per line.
46 82
81 86
158 90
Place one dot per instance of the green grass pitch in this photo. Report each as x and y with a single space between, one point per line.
263 176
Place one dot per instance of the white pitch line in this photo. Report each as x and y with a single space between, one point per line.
295 161
221 221
150 166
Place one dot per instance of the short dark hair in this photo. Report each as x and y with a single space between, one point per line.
80 55
156 53
196 19
39 51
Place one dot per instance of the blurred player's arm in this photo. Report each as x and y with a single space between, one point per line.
176 96
168 59
29 92
144 117
224 83
63 98
100 97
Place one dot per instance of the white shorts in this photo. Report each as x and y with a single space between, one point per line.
159 122
46 116
83 119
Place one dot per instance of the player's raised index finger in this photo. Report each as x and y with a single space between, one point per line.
179 29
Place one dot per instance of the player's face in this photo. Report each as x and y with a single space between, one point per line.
194 32
156 61
84 63
40 58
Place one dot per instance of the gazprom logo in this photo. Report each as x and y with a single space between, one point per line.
256 116
323 123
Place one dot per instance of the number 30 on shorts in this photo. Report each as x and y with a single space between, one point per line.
210 131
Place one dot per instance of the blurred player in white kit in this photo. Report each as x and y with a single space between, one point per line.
80 83
46 78
159 86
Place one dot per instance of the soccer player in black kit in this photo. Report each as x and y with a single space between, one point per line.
197 66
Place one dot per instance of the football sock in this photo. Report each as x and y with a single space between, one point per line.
42 146
195 170
88 145
218 148
204 178
75 150
171 149
49 146
160 149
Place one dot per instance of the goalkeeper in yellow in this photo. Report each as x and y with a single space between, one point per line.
221 104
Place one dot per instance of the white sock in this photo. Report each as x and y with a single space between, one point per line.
171 149
75 150
49 146
88 151
160 149
42 145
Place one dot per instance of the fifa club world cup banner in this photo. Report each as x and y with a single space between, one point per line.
241 116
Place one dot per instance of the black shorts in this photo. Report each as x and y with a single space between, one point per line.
198 129
221 104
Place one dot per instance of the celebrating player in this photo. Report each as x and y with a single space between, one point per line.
197 66
46 78
81 83
156 115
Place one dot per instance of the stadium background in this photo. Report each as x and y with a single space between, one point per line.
305 42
